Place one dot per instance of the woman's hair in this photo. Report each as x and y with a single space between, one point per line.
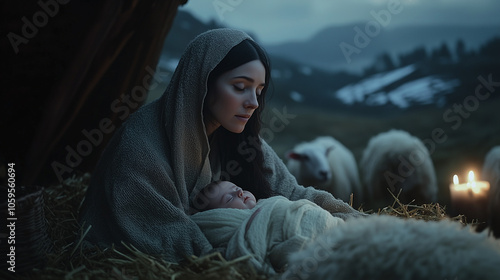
202 199
251 177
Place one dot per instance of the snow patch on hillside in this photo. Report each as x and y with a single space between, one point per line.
422 91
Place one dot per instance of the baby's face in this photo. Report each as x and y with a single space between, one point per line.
228 195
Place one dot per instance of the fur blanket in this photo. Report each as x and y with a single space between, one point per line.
275 228
386 248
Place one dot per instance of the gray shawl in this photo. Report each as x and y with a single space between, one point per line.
141 189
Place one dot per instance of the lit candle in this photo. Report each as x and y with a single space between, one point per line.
471 198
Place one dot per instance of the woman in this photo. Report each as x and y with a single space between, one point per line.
203 128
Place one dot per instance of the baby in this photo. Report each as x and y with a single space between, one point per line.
268 230
225 194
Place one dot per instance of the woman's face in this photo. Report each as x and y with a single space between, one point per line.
233 97
228 195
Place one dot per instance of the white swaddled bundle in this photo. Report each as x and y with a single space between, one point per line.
269 232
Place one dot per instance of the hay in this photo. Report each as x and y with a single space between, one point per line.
69 259
427 212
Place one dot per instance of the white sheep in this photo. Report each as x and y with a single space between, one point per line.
387 247
491 165
396 160
326 164
491 173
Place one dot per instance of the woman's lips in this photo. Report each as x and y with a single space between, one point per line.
243 117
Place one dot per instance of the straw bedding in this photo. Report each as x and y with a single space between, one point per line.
69 259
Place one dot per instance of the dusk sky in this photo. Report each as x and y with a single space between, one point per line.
275 21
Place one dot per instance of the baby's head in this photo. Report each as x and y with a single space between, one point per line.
224 194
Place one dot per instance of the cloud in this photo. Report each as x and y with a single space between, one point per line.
280 20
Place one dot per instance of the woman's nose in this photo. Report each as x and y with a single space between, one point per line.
251 102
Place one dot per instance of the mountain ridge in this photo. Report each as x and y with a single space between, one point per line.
439 76
323 49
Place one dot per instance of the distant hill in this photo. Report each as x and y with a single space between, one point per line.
323 50
184 29
302 75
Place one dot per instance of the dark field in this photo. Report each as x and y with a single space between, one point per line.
467 139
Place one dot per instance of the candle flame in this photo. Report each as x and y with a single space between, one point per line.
475 188
471 176
472 183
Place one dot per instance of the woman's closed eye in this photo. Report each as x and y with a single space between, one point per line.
239 87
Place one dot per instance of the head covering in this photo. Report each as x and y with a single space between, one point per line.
139 191
183 106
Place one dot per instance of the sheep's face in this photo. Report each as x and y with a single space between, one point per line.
314 167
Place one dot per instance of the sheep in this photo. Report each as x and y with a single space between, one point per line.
326 164
397 161
386 247
494 208
491 165
491 173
